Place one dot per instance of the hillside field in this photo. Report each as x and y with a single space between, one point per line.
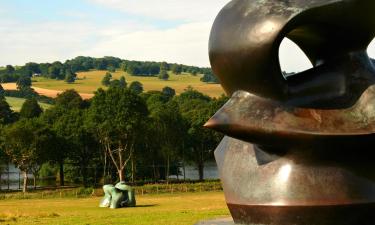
88 82
16 103
162 209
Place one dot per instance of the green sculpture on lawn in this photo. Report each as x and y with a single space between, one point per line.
118 196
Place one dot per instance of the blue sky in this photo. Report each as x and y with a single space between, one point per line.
164 30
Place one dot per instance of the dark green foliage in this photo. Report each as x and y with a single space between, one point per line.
70 77
168 91
209 78
136 87
111 69
69 99
107 79
2 91
117 117
9 69
6 114
30 109
123 83
176 68
163 75
23 82
27 143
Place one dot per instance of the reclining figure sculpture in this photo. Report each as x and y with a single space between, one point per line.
299 149
118 196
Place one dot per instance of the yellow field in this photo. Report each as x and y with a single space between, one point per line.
165 209
88 82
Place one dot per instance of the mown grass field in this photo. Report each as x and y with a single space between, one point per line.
88 82
164 209
16 103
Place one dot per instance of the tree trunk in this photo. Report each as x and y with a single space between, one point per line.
200 170
133 168
61 172
167 172
24 181
121 174
34 178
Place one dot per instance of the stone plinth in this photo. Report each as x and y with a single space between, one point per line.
225 221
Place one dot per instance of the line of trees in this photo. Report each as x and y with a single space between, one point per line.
67 70
124 131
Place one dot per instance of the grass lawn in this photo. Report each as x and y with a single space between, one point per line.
88 82
164 209
16 103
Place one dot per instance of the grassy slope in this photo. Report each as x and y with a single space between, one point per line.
16 103
89 82
168 209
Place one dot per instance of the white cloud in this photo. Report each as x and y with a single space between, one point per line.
189 11
184 44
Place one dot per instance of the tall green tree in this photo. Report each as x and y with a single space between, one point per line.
117 117
107 79
23 82
136 87
26 143
65 102
70 76
30 109
163 75
71 126
6 114
196 108
122 81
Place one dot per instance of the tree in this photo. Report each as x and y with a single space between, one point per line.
136 87
196 108
23 82
169 92
107 79
2 91
26 143
170 128
69 99
111 69
123 83
9 69
66 101
209 78
163 75
71 127
70 77
30 109
117 117
176 68
6 114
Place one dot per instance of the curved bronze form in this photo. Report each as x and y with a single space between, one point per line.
334 34
300 148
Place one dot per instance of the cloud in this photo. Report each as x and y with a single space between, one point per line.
188 11
186 44
52 41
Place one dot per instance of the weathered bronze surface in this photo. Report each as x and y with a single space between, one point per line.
299 149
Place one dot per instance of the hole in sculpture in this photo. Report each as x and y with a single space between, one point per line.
371 50
292 59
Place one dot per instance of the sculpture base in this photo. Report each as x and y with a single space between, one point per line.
354 214
225 221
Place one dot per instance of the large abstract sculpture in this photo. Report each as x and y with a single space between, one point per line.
299 150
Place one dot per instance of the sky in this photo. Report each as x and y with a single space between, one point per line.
175 31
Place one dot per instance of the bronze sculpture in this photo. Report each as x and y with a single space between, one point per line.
299 148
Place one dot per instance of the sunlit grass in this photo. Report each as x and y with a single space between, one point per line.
16 103
164 209
88 82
